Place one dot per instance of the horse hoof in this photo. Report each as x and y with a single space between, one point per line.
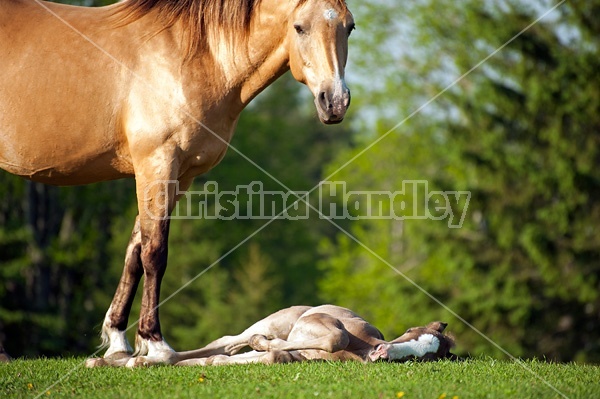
117 356
193 362
95 362
140 361
216 360
259 343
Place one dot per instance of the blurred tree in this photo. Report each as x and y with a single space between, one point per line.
53 251
521 133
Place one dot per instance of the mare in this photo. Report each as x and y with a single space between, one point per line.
152 89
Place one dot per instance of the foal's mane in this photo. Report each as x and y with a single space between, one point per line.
203 19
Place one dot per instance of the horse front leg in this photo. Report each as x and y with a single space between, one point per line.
115 322
151 348
156 200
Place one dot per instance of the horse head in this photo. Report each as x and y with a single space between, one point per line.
318 50
420 343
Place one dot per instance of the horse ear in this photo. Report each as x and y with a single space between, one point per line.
438 326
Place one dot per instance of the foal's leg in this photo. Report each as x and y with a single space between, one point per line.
316 331
276 325
245 358
115 321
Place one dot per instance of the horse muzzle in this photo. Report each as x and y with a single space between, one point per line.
380 352
332 101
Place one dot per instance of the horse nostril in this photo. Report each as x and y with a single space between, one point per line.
324 101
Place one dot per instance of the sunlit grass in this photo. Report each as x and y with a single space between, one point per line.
481 378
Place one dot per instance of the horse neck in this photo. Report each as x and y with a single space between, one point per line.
259 75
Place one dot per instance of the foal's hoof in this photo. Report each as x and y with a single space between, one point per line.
118 356
216 360
140 361
259 343
118 359
193 362
165 358
96 362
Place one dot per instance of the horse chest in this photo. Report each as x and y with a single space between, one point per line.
200 152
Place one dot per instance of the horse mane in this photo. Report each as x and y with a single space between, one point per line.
204 20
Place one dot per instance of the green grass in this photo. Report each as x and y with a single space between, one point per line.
481 378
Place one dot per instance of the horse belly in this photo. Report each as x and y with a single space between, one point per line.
58 104
59 143
63 165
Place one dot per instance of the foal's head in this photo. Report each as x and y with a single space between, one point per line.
318 38
420 343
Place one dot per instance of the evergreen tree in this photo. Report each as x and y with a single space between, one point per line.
521 134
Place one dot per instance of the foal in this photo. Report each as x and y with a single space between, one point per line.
324 332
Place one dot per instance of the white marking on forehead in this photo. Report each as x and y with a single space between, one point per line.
427 343
330 14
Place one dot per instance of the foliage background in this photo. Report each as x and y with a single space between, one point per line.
520 133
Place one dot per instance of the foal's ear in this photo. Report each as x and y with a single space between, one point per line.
438 326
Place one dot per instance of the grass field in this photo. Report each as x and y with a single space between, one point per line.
480 378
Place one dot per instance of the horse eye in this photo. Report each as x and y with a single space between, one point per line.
299 29
351 28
